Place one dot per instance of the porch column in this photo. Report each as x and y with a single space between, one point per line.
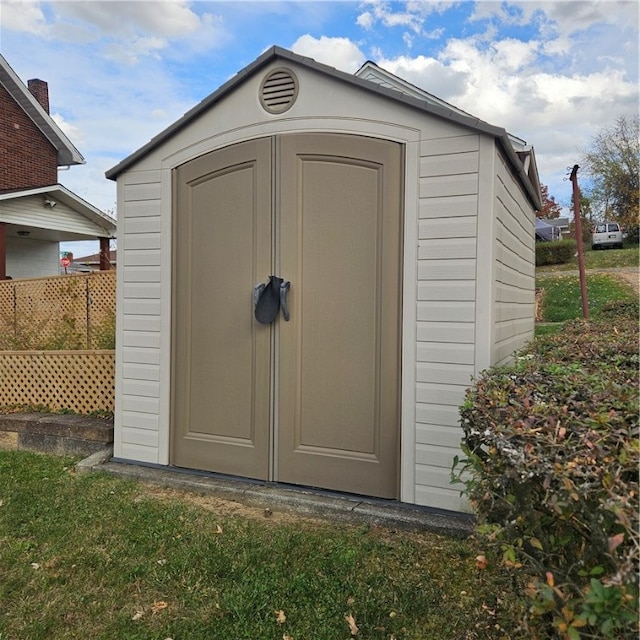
3 250
105 262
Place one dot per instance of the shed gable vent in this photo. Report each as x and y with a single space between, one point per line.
278 90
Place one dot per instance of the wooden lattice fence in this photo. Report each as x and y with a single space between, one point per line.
62 312
81 381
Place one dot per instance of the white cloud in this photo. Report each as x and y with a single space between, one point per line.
128 31
25 17
136 48
168 18
412 17
72 132
365 20
340 53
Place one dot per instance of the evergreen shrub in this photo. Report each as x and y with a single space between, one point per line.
557 252
551 468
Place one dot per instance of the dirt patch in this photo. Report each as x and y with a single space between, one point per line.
228 508
630 276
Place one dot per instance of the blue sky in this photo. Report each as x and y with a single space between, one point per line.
119 72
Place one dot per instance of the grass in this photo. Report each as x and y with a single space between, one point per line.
92 556
606 259
562 298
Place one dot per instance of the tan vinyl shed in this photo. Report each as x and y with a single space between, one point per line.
405 228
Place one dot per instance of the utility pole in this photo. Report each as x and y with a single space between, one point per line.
578 222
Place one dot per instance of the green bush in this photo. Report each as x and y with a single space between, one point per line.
558 252
551 467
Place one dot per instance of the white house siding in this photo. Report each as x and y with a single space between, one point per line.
445 309
439 310
140 290
29 212
514 265
28 258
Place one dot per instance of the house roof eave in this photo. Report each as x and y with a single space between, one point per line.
67 152
73 201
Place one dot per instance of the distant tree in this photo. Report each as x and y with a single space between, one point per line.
612 160
550 208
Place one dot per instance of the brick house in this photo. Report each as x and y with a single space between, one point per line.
36 212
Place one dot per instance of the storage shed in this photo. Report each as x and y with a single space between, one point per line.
400 234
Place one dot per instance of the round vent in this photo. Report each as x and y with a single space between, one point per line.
279 91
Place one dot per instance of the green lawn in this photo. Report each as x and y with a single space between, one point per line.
601 259
562 299
95 557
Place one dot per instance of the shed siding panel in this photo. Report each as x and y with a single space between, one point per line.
460 332
456 185
141 323
444 352
446 311
461 227
137 452
141 260
435 456
515 265
458 374
150 339
449 164
464 269
448 207
140 371
140 420
146 224
447 146
438 498
141 307
456 248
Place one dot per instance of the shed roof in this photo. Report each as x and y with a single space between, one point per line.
433 107
67 153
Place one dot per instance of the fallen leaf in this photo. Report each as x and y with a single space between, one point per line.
218 529
35 565
286 637
615 541
550 579
162 562
481 562
159 606
280 617
353 627
137 615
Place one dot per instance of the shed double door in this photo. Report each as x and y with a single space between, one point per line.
313 401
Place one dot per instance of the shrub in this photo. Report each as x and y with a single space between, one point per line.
552 471
559 252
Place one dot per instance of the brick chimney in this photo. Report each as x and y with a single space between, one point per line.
40 91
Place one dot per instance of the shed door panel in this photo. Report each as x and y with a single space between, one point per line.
340 240
313 401
222 357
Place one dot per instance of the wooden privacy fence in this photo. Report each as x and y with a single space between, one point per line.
61 312
82 381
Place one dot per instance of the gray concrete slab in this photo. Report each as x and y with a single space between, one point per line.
272 497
